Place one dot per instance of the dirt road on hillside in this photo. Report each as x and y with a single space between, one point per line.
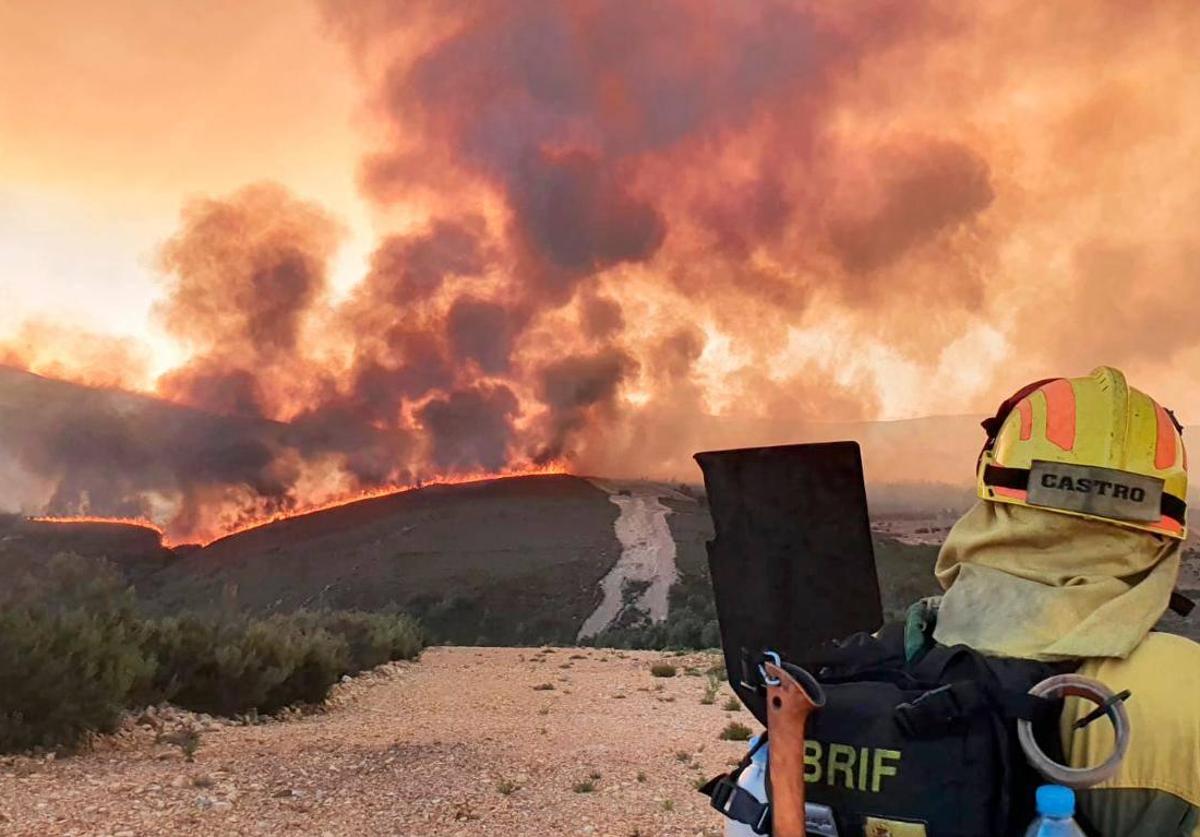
461 743
647 555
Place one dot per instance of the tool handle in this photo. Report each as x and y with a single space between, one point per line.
788 706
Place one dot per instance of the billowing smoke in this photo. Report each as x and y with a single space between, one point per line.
633 230
577 390
470 429
923 190
243 275
482 332
61 352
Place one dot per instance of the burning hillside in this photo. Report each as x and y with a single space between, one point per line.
602 248
88 454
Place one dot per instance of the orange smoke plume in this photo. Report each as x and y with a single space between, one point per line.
632 231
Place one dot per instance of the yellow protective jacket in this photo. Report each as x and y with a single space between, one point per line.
1156 791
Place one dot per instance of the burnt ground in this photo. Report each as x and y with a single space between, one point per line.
136 551
502 562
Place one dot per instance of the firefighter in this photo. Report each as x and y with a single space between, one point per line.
1072 553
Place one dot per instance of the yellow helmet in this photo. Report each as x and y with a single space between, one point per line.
1093 447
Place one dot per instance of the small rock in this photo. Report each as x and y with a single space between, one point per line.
180 782
222 805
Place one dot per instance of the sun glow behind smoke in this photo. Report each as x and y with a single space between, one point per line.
605 248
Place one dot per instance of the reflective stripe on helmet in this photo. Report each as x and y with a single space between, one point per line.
1164 446
1025 408
1060 413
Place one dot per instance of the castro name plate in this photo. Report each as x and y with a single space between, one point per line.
1103 492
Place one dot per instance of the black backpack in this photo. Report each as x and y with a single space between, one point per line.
928 741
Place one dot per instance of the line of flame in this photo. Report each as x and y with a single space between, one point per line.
87 518
275 517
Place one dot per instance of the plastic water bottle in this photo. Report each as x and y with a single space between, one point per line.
1056 812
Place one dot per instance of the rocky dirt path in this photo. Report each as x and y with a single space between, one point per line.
647 555
462 743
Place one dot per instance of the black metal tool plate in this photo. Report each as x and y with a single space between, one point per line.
792 563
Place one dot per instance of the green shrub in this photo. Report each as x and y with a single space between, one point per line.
74 653
228 664
69 655
372 638
736 732
225 665
662 670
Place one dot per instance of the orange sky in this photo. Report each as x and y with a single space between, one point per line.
111 114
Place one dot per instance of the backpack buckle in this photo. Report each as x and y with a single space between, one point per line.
720 791
933 711
739 804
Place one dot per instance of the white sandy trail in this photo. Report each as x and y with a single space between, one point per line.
647 554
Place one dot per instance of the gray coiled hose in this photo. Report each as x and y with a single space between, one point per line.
1076 685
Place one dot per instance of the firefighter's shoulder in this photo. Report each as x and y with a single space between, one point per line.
1157 788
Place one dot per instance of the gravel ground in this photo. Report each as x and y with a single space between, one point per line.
461 743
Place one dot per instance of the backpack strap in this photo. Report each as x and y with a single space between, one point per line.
936 711
734 801
1181 604
975 686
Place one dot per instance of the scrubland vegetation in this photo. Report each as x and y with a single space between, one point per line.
76 652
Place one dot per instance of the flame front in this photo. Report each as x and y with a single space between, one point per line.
205 538
83 518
